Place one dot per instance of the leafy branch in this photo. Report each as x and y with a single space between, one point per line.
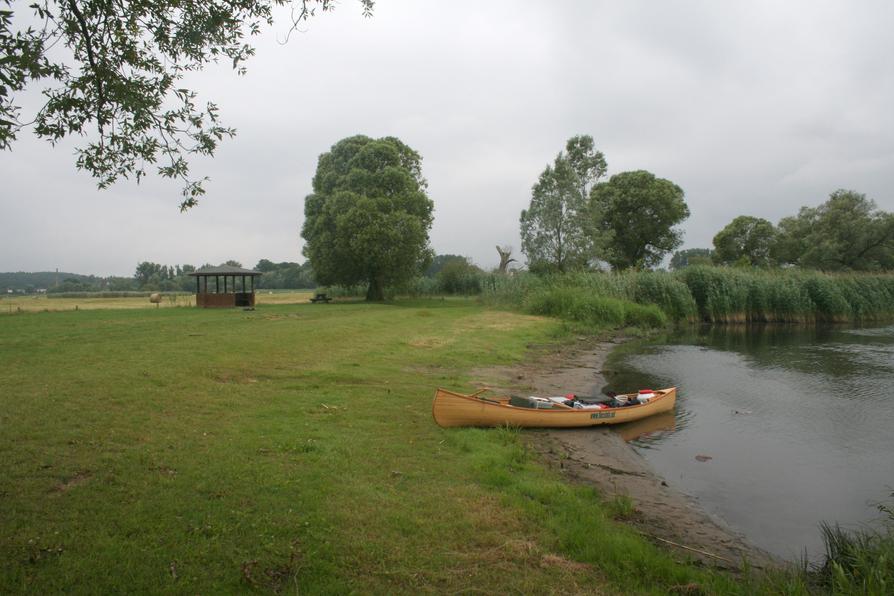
114 73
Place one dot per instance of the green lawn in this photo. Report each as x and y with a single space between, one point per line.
290 449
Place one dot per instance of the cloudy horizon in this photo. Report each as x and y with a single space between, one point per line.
753 109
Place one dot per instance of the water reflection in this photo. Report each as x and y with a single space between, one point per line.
647 428
796 422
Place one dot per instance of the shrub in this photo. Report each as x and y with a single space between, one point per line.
581 305
459 277
644 315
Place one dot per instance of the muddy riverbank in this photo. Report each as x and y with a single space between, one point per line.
600 457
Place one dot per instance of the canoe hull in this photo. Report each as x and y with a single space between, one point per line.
455 409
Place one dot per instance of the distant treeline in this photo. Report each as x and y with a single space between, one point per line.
151 277
447 274
28 282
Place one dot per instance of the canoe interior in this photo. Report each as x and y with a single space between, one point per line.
457 409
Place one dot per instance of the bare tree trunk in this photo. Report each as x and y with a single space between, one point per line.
505 252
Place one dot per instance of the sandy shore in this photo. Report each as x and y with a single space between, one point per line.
601 457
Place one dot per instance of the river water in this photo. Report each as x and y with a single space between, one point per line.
776 428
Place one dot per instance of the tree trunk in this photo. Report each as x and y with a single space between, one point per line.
375 292
505 251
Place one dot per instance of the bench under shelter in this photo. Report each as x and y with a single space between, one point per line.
225 287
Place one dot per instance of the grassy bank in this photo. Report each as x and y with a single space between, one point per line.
709 294
289 449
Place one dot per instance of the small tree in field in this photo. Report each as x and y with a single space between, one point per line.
368 217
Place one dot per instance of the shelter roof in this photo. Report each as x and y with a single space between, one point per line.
224 270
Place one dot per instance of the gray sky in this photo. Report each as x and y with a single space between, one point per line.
752 108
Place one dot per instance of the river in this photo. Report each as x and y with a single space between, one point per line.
776 429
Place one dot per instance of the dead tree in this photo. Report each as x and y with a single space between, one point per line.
505 252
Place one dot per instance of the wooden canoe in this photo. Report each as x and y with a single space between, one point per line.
456 409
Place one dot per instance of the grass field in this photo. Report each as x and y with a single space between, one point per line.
40 303
288 449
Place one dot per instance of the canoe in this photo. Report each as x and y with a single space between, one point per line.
457 409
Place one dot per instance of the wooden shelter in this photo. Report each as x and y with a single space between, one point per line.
224 290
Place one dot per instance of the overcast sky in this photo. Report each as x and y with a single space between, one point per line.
752 108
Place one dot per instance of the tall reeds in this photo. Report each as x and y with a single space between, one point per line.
640 299
582 306
856 562
725 295
709 294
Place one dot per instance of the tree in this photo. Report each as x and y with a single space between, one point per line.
265 265
112 70
438 263
505 253
285 275
691 257
636 214
71 284
746 239
459 276
847 232
588 163
120 284
554 229
368 217
146 271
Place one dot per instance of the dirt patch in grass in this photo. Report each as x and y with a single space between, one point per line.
80 478
238 377
280 316
496 321
600 457
428 342
551 560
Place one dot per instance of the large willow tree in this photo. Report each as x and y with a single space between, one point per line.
846 233
368 217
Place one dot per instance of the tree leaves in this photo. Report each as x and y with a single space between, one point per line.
846 233
368 218
637 212
746 240
555 228
121 91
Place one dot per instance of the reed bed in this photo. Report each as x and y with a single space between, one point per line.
709 294
726 295
592 310
856 562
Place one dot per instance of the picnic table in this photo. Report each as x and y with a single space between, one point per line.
321 297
